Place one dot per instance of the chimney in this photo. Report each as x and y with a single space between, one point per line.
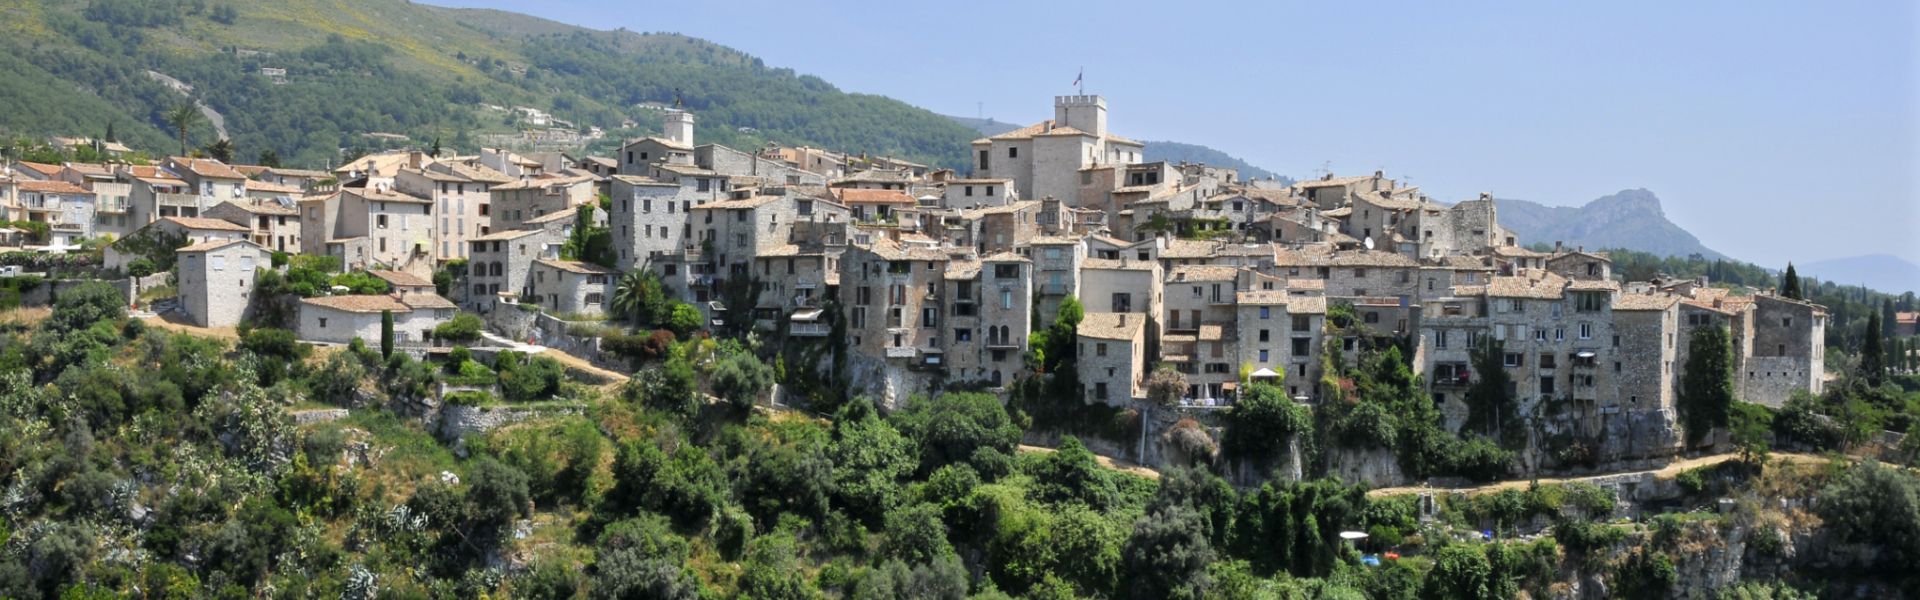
1123 319
1556 246
1379 173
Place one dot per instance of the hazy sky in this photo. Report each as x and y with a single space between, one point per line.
1775 131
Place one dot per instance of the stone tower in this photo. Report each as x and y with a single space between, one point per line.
679 127
1085 113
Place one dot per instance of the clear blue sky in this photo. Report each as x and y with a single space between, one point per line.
1775 131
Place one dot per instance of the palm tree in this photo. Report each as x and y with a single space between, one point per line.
630 294
183 119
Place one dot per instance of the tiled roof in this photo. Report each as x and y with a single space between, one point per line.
370 303
661 141
754 201
1179 248
1331 181
574 266
207 167
212 245
41 168
1307 305
1112 326
1593 285
1184 273
477 173
262 208
204 223
385 196
402 278
1624 302
275 188
566 214
53 186
1534 284
1124 265
1258 297
1004 256
962 269
853 195
426 301
511 234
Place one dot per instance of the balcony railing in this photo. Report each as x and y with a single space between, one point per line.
902 352
165 199
809 329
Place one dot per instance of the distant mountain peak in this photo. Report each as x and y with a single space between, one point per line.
1630 218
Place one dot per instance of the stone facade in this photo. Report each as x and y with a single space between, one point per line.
572 287
216 280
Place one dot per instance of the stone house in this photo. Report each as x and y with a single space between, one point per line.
212 180
271 224
1640 416
649 220
1045 159
112 197
572 287
1112 357
462 197
341 319
892 297
1280 338
968 194
1788 351
216 280
1056 270
989 304
67 209
513 204
194 229
501 264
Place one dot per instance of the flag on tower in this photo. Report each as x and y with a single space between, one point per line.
1077 78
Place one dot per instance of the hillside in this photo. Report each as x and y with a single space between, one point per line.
1877 271
1627 219
355 67
1195 153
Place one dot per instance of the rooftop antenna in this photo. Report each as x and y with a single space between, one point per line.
1326 168
677 103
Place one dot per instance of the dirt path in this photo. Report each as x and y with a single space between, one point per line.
612 378
1115 464
225 333
1671 470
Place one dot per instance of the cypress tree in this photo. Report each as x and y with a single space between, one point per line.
1790 284
1706 384
386 334
1873 353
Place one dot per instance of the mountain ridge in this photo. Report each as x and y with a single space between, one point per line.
1630 218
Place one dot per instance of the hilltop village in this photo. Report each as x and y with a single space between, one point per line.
1185 283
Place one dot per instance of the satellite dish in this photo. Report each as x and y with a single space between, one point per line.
1368 242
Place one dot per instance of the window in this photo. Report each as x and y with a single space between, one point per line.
929 318
1100 349
983 160
1359 273
1100 390
1006 299
1372 317
1122 302
1013 152
1301 323
963 335
1512 359
1546 360
1586 331
1300 347
1440 339
1263 336
1559 334
1263 356
323 322
1266 312
702 185
1546 385
593 299
1053 253
380 221
1786 321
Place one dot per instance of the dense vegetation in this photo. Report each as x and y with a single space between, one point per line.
418 71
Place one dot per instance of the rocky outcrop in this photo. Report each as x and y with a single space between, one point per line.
458 422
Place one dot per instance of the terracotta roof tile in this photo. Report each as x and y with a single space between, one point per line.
1112 326
370 303
204 223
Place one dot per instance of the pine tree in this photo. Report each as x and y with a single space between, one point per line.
1888 319
1706 384
1790 284
1873 354
1489 405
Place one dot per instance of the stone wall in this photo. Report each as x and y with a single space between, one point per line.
458 422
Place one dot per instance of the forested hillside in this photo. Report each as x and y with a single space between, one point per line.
355 67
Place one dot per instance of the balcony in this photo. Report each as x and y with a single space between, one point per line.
1002 344
1054 289
903 352
805 284
164 199
809 329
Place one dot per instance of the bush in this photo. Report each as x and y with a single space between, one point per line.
740 379
535 379
80 306
462 328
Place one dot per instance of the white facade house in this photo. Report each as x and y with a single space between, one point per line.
216 280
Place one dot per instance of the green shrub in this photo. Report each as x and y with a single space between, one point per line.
462 328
